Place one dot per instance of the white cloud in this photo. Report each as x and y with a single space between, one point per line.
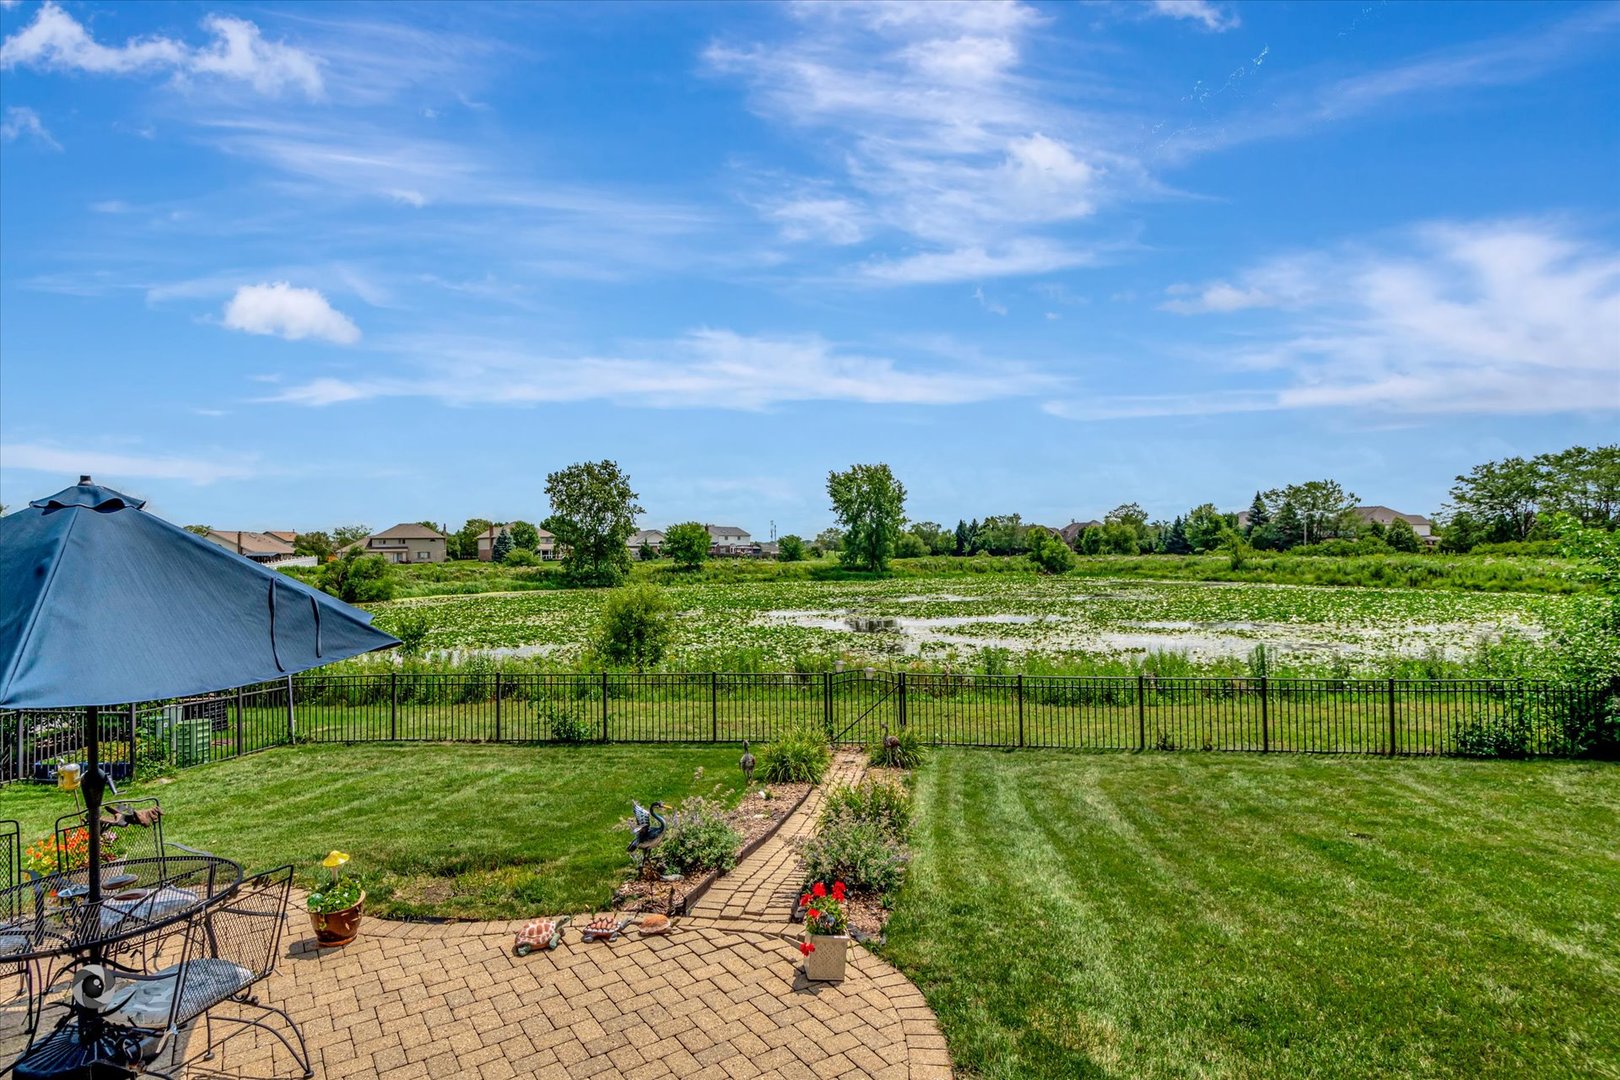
938 133
1484 317
831 220
992 306
238 52
19 120
1211 15
288 312
1018 258
715 369
109 466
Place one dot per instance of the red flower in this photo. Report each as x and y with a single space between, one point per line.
813 913
807 948
804 901
819 889
838 890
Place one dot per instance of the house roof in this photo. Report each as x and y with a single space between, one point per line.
1075 528
407 530
250 543
718 531
1384 515
288 535
645 535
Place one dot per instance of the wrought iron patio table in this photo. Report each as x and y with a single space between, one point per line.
58 928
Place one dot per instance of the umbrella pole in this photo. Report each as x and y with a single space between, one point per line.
93 785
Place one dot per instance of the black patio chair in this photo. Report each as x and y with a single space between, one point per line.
223 953
12 911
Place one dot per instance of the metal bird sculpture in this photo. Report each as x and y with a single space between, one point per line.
650 828
747 763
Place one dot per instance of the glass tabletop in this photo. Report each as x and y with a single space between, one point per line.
53 915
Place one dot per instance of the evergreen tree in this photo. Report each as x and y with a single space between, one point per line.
972 537
962 537
502 547
1090 541
1259 516
1174 541
1289 526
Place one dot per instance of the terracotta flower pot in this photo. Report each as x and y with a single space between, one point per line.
825 963
336 929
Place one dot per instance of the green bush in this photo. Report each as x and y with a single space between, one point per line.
637 623
905 753
412 629
520 557
800 756
864 855
701 839
1051 555
1494 736
564 721
881 802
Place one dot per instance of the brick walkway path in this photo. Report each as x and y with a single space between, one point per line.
721 998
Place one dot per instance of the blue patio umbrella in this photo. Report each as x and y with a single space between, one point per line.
101 603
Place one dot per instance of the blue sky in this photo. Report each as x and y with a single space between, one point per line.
289 266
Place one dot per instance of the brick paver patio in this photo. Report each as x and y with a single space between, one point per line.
721 998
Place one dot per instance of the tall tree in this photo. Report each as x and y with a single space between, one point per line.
1583 483
1175 541
1402 537
1204 526
1505 491
963 537
593 514
1259 516
688 544
790 548
1290 530
524 535
463 543
871 505
1322 506
502 547
828 540
344 535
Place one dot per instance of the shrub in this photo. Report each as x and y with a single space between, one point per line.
790 548
412 629
358 579
1494 736
862 854
688 544
800 756
637 623
520 557
1051 555
701 839
881 802
905 751
564 721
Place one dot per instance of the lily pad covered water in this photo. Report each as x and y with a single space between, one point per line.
777 624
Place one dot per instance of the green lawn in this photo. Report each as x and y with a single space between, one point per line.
1193 915
459 831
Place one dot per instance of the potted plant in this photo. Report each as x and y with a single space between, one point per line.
826 933
335 909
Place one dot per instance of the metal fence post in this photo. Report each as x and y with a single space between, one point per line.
1020 709
1265 719
902 692
393 706
1141 713
1391 717
714 706
132 739
292 729
604 706
826 698
497 706
239 720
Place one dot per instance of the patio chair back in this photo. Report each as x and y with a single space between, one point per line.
11 871
122 842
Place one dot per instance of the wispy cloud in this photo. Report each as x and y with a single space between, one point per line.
940 138
715 369
110 467
289 312
19 121
237 52
1212 16
1482 317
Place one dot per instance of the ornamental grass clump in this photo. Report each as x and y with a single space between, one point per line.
864 854
800 756
896 751
885 803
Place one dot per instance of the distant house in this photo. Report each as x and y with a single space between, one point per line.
729 540
261 547
406 542
546 548
1383 515
282 534
1071 532
653 538
767 549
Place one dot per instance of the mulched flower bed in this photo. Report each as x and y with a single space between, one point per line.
753 817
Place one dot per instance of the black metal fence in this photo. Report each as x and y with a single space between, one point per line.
1313 716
